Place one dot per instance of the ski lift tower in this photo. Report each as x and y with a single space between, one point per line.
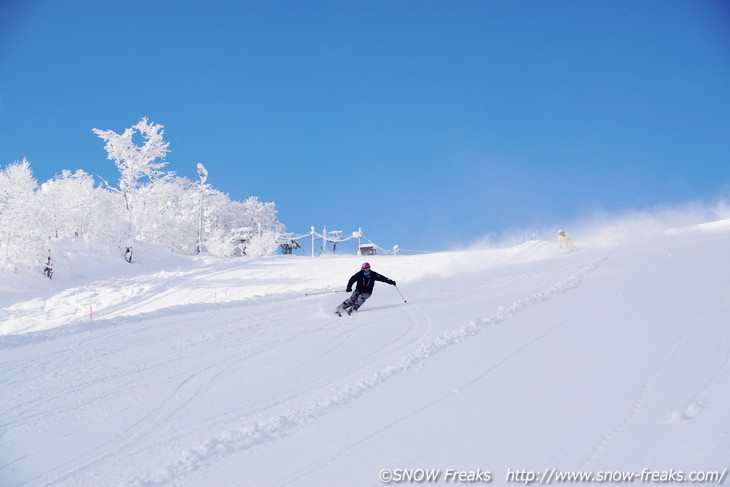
358 235
203 174
335 236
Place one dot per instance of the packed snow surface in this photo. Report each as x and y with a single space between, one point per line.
503 364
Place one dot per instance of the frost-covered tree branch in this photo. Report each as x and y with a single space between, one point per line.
135 162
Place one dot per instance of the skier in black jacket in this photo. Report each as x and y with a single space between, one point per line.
365 280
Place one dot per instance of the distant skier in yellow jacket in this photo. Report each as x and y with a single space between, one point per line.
565 240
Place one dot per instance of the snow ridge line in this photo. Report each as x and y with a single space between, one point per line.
262 431
83 325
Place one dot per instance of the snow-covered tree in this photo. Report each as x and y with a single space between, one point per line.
72 201
265 229
148 204
24 224
236 228
167 213
135 163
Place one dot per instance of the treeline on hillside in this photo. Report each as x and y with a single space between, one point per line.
148 204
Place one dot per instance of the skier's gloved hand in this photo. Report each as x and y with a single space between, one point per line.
348 290
392 282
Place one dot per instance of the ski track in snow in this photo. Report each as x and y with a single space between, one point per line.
203 381
646 388
695 406
260 432
87 338
690 411
413 413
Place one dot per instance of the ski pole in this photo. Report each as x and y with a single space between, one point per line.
401 294
326 292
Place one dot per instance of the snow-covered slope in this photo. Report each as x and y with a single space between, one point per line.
506 363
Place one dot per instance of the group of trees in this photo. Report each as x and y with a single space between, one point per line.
148 204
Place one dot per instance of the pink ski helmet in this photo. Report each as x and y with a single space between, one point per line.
365 266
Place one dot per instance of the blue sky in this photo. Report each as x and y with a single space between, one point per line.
426 123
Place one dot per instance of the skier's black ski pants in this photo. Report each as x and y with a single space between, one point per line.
355 300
